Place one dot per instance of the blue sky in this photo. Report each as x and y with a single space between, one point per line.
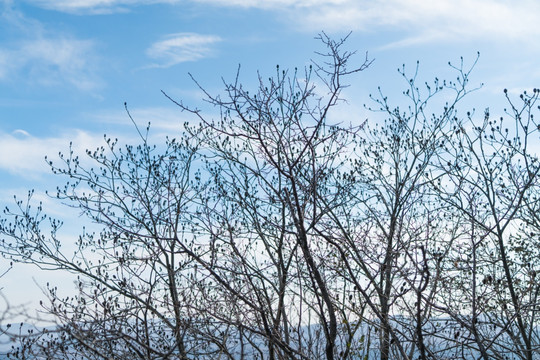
68 66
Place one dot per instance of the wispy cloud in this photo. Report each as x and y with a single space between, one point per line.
92 6
115 6
279 4
181 47
430 21
421 21
38 56
50 61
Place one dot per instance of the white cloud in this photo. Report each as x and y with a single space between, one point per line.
430 21
181 47
27 153
427 21
277 4
50 61
112 6
42 57
420 21
21 132
92 6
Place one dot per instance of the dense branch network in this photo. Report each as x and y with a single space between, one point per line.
274 232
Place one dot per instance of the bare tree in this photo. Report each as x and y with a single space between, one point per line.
273 160
211 246
275 232
133 277
491 175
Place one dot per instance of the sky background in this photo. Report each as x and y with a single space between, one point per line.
68 66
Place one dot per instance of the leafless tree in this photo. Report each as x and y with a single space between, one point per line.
491 176
276 232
